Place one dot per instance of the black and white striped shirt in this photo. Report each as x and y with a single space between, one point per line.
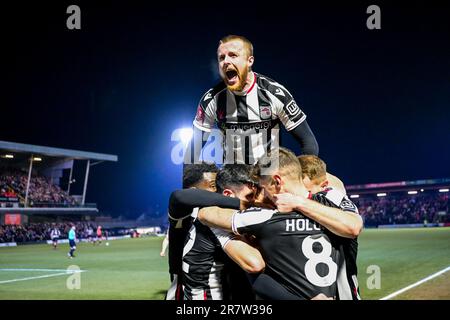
204 261
302 255
55 233
252 117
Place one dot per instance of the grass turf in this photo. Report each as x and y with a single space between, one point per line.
133 269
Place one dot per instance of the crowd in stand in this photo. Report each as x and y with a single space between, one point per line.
41 231
5 190
35 232
41 190
407 209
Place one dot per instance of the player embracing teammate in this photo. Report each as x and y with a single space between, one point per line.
307 235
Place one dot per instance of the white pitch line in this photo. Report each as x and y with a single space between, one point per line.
44 270
396 293
39 277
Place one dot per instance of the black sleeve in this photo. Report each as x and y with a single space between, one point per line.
303 134
268 289
182 201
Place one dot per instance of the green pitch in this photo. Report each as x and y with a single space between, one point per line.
133 269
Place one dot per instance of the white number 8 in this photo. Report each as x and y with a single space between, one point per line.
315 258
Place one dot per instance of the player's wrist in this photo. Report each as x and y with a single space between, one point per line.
301 203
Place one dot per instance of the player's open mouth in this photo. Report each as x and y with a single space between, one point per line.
232 75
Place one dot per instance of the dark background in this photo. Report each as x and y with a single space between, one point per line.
378 101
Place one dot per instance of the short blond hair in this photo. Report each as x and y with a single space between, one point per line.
248 46
313 167
288 164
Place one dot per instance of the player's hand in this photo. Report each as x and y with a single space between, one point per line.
287 202
321 296
162 254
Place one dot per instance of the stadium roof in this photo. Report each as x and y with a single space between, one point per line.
55 152
51 211
400 184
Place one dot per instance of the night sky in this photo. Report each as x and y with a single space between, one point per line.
378 101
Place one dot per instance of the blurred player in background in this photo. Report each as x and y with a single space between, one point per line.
90 234
72 242
164 245
99 235
54 235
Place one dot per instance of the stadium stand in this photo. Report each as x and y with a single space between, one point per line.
40 232
404 209
42 192
403 203
35 189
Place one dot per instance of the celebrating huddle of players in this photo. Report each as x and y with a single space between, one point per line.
236 233
267 225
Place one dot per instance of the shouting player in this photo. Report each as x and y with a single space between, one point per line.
248 106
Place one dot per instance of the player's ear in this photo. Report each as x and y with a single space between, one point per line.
324 184
306 180
228 193
278 181
250 61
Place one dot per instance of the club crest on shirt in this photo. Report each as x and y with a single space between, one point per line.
265 112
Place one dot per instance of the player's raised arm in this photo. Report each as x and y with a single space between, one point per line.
185 200
247 257
217 217
345 223
304 135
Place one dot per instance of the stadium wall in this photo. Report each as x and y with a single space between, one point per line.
413 225
87 240
8 244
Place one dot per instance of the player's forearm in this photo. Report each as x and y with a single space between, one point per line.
304 135
343 223
216 217
246 256
182 201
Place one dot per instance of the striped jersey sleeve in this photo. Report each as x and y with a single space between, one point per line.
251 220
223 236
334 198
206 115
285 106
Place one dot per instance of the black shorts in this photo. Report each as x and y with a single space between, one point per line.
72 243
55 239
